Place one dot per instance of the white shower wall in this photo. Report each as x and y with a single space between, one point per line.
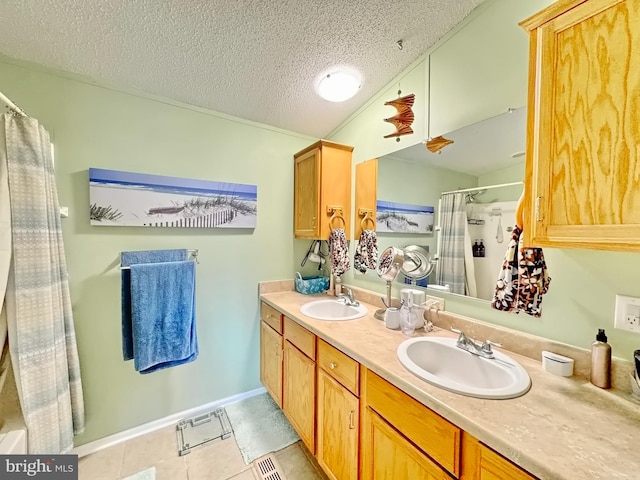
487 267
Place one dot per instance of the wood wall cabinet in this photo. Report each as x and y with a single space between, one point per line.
583 145
322 178
271 351
366 196
299 381
338 413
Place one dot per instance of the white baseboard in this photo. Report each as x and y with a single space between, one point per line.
120 437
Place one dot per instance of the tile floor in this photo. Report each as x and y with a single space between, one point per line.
216 460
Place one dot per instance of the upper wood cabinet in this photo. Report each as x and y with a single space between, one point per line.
583 146
322 179
481 71
366 196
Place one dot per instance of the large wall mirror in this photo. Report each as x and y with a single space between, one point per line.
485 165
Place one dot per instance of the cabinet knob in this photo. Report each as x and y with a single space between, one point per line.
333 365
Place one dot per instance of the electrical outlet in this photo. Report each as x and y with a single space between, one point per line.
627 314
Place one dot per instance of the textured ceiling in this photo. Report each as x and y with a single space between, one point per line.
254 59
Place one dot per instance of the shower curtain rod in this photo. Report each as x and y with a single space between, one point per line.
10 106
477 189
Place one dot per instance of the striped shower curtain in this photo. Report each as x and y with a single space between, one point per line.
37 305
455 264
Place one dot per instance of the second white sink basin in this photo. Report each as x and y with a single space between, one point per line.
440 362
329 309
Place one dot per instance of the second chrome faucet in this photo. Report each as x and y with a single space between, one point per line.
481 349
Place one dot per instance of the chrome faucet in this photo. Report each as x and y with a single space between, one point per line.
482 350
348 297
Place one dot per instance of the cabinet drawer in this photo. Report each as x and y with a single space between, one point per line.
271 316
429 431
339 366
300 337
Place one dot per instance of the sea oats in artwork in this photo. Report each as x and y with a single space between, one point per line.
141 200
393 217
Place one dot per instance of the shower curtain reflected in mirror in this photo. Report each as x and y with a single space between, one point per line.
455 263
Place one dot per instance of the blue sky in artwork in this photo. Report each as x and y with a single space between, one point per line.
171 184
383 206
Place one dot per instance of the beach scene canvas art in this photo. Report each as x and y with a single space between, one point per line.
394 217
119 198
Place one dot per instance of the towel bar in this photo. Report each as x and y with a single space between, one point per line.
193 254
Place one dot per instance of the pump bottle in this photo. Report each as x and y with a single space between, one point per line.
601 361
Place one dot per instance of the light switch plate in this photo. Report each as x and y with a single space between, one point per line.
627 314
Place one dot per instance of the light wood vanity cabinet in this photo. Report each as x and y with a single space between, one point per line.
322 178
429 442
479 462
338 413
299 381
583 145
359 425
271 351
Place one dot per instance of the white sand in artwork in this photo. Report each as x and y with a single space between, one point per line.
135 204
424 223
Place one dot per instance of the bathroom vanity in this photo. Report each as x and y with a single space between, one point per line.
364 416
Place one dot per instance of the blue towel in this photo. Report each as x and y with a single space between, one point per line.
126 260
163 315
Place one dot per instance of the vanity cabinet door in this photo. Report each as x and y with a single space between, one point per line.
481 463
337 429
387 455
481 71
298 402
583 154
271 361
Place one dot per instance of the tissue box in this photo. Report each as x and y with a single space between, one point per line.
310 285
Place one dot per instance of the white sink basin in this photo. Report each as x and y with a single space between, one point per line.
440 362
328 309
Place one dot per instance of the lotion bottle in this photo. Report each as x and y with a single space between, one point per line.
601 361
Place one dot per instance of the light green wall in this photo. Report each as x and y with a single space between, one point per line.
100 127
511 174
584 282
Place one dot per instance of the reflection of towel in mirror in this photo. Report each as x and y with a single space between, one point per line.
366 256
338 251
523 279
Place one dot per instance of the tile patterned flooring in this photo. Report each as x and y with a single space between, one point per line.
215 460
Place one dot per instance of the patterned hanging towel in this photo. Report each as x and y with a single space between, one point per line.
505 297
366 256
523 279
533 282
338 252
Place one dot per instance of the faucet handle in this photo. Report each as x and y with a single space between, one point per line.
462 338
486 347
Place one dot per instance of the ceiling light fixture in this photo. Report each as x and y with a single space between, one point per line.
338 86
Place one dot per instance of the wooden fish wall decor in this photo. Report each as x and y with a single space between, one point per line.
404 118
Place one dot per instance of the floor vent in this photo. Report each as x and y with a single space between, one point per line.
268 468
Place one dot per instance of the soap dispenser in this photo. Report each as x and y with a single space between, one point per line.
601 361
